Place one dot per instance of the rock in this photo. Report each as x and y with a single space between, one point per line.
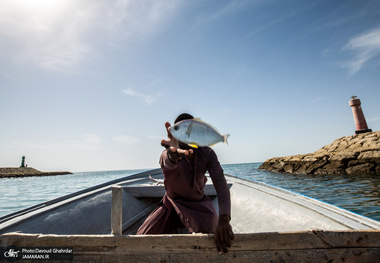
24 172
361 168
356 154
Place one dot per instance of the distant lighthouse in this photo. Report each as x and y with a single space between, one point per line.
360 123
23 161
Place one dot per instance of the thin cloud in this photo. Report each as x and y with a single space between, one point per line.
325 52
373 119
155 137
146 98
62 34
91 139
271 22
230 7
127 140
46 34
365 47
87 142
318 99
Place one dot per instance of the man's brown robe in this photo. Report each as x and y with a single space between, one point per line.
185 204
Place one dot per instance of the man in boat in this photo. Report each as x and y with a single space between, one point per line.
185 204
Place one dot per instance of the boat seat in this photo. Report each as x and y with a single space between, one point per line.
159 190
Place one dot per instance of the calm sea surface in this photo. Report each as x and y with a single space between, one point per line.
359 194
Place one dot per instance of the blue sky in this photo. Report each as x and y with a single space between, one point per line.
88 85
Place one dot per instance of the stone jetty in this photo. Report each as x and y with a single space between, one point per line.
25 171
356 154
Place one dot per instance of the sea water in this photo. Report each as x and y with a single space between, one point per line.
359 194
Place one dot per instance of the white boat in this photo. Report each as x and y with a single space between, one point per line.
285 224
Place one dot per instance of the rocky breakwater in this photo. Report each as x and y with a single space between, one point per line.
356 154
25 171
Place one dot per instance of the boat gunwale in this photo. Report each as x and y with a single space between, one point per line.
201 243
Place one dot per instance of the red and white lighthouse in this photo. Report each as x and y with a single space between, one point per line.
360 123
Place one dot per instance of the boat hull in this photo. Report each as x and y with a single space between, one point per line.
271 225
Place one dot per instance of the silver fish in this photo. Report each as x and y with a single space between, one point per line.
195 132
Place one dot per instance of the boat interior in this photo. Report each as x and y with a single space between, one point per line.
256 207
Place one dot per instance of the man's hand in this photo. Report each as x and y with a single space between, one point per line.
223 234
172 147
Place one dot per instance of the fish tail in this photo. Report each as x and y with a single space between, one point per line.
225 139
